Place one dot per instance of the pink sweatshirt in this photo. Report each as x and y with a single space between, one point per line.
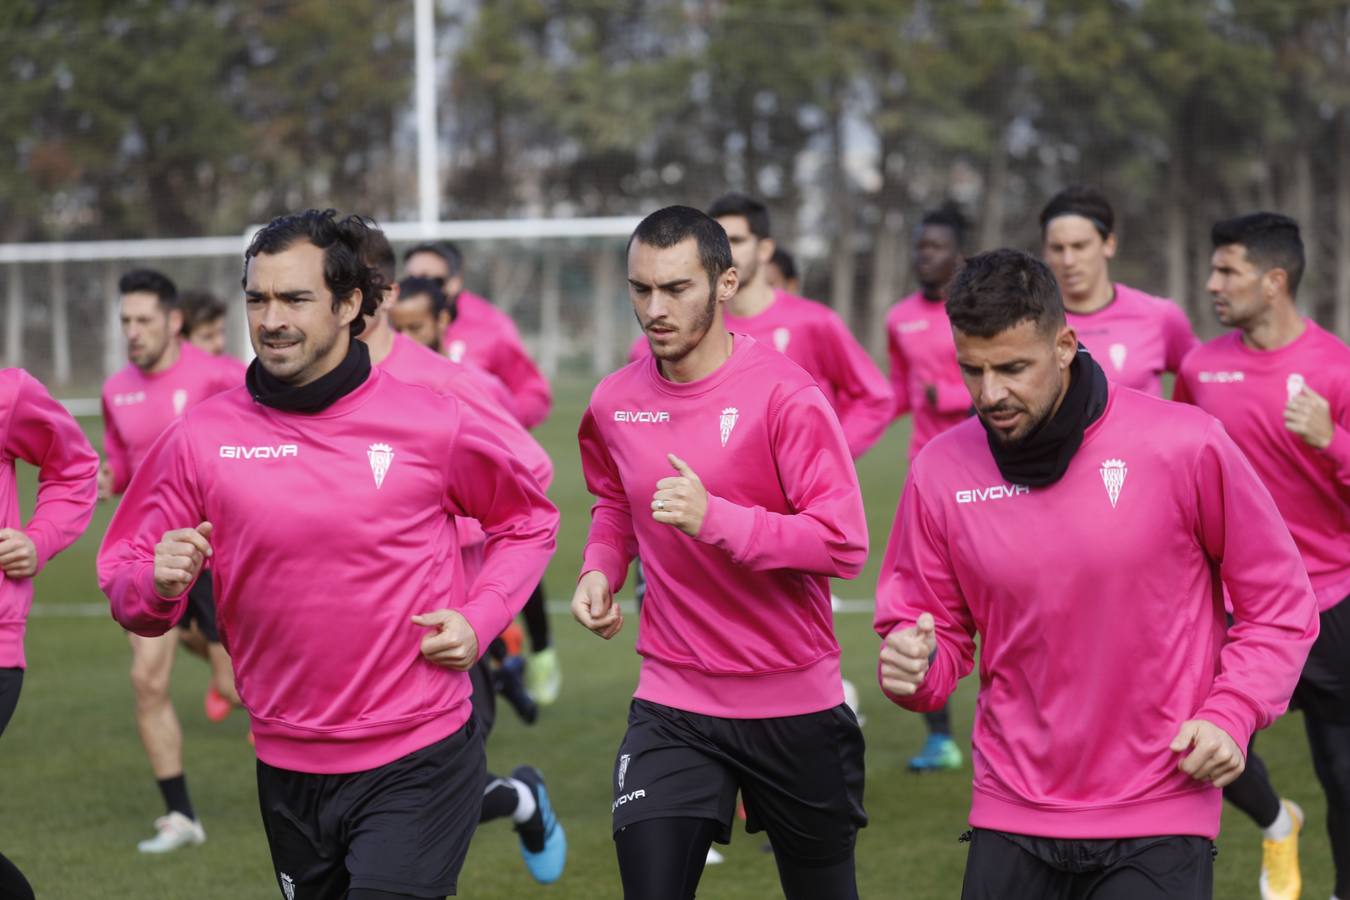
1247 390
1101 620
923 352
485 336
330 531
138 407
737 622
1136 338
38 430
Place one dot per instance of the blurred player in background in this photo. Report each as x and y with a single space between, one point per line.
927 383
1134 337
165 377
204 321
1281 387
38 430
782 272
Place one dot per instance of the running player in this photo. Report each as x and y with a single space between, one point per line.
204 321
165 377
1281 387
722 463
1086 532
38 430
927 383
325 497
522 796
1135 337
782 272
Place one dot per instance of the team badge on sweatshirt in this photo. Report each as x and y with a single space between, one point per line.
1294 385
1117 352
729 417
456 351
1113 476
381 455
180 398
781 336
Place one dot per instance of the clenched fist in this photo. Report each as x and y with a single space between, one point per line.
179 557
904 657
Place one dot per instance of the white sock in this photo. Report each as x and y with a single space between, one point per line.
526 807
1282 827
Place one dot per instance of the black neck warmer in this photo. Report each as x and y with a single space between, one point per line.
1042 457
320 393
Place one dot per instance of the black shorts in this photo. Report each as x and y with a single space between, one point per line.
1004 866
484 696
1324 688
801 776
404 827
201 608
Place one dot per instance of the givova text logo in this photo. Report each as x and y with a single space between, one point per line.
267 451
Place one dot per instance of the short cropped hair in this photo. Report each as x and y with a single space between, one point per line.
431 289
668 227
446 250
1001 289
200 308
948 216
756 214
343 243
148 281
1272 242
1085 201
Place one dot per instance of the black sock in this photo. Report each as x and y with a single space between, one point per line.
536 620
176 795
13 886
500 798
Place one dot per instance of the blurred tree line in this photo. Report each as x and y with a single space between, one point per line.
175 118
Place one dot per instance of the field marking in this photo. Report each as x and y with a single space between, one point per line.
50 610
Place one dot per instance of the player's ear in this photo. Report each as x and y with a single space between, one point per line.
727 284
349 307
765 250
1066 346
1109 246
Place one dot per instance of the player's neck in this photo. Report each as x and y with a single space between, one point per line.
706 358
379 340
1279 327
1095 300
167 359
753 298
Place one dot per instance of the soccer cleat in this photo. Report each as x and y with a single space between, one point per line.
543 676
173 832
939 752
543 843
217 707
509 680
1280 878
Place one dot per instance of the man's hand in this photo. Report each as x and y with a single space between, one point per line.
105 481
594 607
1308 415
904 657
681 501
1216 758
18 555
179 556
451 642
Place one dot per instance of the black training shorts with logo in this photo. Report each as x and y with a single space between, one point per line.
201 608
801 776
403 827
1324 687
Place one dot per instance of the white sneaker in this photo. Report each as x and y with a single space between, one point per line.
174 832
714 858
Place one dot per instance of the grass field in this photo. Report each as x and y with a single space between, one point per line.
76 791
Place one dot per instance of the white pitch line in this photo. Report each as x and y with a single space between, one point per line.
50 610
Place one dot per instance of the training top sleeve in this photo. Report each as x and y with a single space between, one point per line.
899 372
1179 337
826 534
43 434
163 496
917 576
863 397
1274 609
115 450
530 389
611 543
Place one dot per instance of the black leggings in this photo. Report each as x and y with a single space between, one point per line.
372 894
1330 745
13 886
939 722
1253 793
536 620
662 859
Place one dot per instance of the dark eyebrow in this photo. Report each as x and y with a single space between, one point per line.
295 295
637 284
680 283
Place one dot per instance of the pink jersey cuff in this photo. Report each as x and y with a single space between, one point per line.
42 543
488 616
1234 717
608 561
728 527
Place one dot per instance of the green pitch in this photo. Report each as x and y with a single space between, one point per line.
76 791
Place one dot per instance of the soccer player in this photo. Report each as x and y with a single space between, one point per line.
165 377
927 382
811 334
203 321
325 495
478 331
522 796
1135 337
782 272
39 431
1086 531
1281 387
722 463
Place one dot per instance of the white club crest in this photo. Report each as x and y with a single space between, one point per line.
180 398
623 769
1294 385
1113 476
781 336
729 417
287 886
381 455
456 351
1117 353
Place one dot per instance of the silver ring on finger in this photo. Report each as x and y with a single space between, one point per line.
660 504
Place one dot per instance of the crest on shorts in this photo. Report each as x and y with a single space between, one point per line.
287 886
1294 385
1113 476
781 337
1117 352
381 455
623 769
180 398
729 417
